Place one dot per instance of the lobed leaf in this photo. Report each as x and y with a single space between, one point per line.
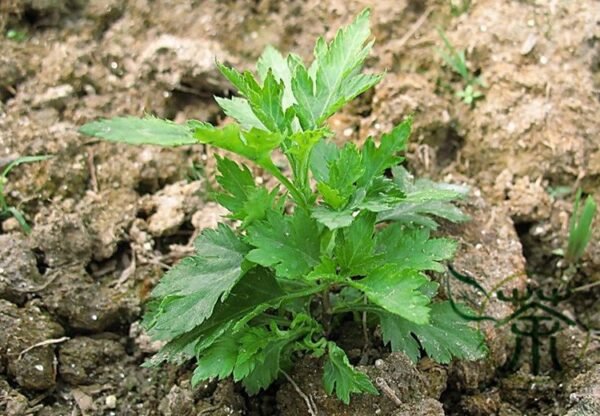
334 77
239 109
341 377
192 288
256 291
245 200
288 244
256 145
397 291
264 100
378 159
411 248
135 130
447 335
272 60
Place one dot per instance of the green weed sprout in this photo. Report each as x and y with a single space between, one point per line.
16 35
580 228
347 233
5 209
456 60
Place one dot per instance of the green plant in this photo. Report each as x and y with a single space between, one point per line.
456 60
458 7
16 35
580 228
348 234
5 209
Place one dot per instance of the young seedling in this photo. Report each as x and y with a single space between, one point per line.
341 235
580 228
5 209
16 35
456 60
458 7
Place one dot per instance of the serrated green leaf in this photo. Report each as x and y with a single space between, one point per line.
256 290
134 130
355 245
397 291
333 219
381 195
323 153
259 359
239 109
415 214
326 270
378 159
237 183
288 244
423 200
192 288
410 248
299 147
341 377
447 335
302 143
217 361
271 59
424 190
342 174
334 77
245 200
254 144
265 101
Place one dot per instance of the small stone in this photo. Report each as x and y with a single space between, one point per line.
529 44
11 225
54 97
111 401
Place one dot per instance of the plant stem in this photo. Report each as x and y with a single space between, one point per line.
327 312
3 204
296 194
356 308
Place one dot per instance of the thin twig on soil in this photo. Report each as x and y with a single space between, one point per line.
41 344
413 29
127 273
388 391
366 339
92 169
586 287
48 282
310 404
208 410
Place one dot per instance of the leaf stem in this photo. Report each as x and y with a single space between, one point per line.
356 308
296 194
327 311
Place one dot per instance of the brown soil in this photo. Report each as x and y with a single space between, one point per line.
108 219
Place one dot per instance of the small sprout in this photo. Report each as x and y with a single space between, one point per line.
558 192
456 60
458 7
16 35
580 228
5 209
469 94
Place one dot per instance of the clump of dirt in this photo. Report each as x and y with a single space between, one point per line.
109 219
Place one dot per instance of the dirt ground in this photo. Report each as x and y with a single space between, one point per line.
109 219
